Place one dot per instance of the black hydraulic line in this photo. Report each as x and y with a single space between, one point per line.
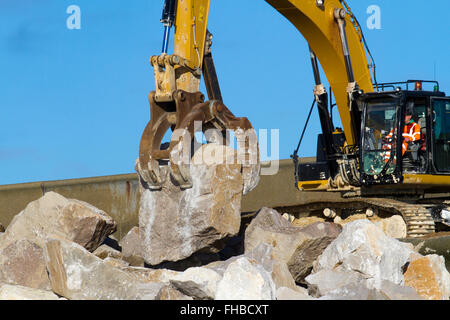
304 129
346 51
295 155
210 75
168 20
364 42
324 116
315 67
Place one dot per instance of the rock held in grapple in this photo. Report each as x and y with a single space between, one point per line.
176 223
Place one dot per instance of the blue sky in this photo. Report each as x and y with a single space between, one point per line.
73 103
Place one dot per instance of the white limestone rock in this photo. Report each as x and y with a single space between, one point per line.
364 248
245 279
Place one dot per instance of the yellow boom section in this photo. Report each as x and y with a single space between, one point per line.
190 35
319 28
317 25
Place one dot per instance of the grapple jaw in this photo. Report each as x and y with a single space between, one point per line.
186 115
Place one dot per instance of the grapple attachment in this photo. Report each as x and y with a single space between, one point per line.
187 113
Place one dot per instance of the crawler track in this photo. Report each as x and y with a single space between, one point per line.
418 218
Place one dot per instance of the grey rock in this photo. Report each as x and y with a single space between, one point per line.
364 248
132 249
76 274
297 247
54 216
176 223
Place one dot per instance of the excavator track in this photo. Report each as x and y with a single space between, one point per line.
418 218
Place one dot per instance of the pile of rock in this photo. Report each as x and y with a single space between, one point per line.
58 248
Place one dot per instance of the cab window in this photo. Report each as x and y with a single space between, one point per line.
380 137
441 134
415 157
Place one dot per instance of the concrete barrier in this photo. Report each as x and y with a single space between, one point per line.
119 195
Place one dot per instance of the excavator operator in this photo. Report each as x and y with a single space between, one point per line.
411 133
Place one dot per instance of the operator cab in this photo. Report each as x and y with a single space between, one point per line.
404 132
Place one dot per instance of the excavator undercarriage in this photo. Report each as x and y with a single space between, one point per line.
418 217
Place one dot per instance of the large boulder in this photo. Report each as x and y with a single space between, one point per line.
429 277
296 247
364 248
176 223
77 274
54 216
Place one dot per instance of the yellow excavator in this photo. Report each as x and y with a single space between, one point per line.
370 162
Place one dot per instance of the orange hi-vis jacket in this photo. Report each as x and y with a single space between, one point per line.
411 131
